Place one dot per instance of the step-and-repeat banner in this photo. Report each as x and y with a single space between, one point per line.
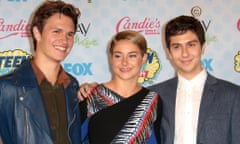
101 19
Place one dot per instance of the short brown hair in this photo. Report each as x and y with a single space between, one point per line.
182 24
49 8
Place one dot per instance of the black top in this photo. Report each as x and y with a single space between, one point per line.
106 123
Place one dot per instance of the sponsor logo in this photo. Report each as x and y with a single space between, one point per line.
150 69
237 62
9 60
78 68
83 28
207 64
148 26
196 12
86 42
238 24
21 28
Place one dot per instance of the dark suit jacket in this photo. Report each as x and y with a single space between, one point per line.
219 115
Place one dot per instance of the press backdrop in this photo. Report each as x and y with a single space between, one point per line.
100 19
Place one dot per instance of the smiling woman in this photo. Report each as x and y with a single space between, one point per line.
120 110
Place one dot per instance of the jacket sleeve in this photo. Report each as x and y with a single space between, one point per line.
235 125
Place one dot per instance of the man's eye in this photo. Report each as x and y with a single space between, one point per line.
117 56
71 34
133 56
175 46
192 45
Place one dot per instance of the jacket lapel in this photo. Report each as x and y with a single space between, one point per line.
34 104
30 96
168 91
207 98
173 94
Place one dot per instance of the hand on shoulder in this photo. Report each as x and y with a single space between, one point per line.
85 90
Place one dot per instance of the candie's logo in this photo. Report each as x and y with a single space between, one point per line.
22 28
150 69
9 60
147 26
238 24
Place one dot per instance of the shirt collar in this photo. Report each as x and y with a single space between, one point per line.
198 80
63 78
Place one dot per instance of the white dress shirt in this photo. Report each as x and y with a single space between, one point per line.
189 93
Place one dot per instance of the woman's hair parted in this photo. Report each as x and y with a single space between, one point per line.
131 35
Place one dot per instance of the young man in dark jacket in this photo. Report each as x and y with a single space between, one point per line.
38 100
198 108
